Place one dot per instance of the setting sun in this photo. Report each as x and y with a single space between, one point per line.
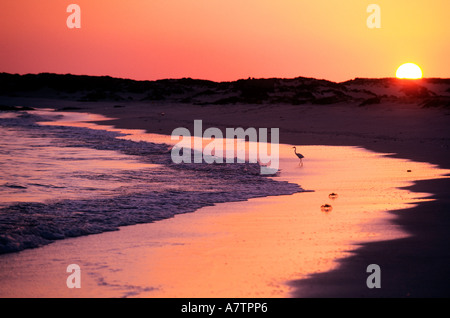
409 71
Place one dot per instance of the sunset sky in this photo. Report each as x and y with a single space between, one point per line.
225 40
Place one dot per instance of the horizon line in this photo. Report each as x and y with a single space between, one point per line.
229 81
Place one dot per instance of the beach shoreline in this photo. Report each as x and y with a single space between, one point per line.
412 267
247 249
405 131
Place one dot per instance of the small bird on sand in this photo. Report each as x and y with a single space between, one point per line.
333 196
299 155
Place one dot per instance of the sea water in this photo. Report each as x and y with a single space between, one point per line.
60 180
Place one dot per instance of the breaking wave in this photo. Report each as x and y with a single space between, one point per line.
60 181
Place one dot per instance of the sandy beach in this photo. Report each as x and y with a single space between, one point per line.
407 240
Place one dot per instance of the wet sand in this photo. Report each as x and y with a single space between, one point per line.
266 247
415 266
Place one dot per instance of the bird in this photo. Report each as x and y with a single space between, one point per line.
299 155
333 196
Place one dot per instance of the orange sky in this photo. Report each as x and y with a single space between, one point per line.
225 40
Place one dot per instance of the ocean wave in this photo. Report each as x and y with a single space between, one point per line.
145 195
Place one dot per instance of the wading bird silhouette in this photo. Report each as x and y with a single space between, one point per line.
299 155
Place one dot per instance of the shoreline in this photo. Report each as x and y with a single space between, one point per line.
262 242
421 280
348 268
410 256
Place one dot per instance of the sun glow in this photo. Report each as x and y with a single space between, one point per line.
409 71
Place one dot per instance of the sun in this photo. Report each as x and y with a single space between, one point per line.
409 71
